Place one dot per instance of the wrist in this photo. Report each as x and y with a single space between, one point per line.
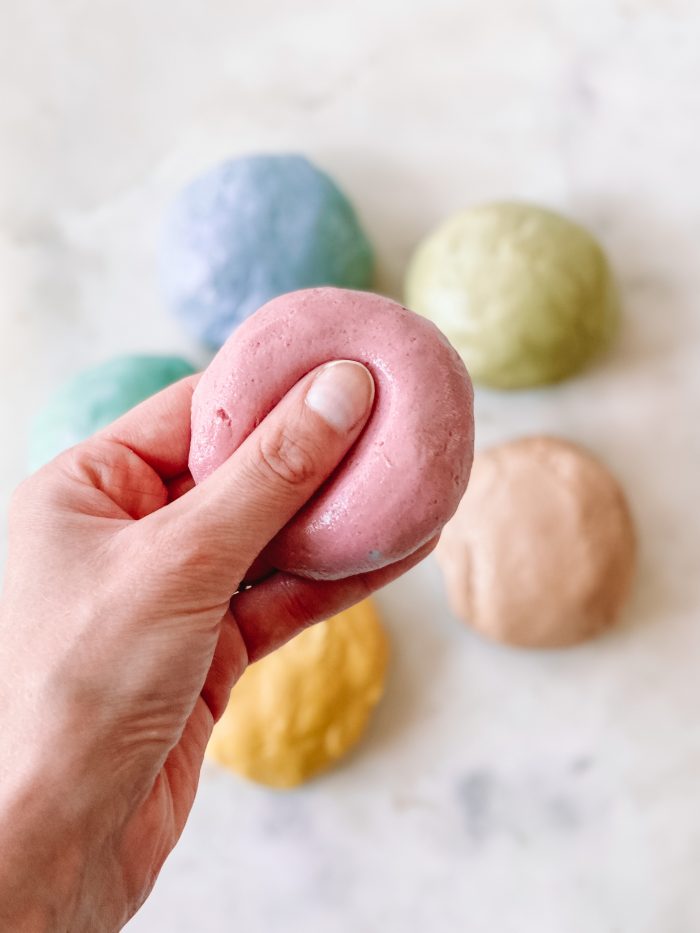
42 858
43 827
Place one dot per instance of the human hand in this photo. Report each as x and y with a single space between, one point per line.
122 632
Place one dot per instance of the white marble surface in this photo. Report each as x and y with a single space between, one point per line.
497 791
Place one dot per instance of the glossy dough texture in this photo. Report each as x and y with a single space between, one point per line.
406 474
302 708
542 549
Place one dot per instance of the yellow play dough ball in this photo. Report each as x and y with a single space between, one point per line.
301 708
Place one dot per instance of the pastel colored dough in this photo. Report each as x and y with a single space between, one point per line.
253 228
525 295
405 475
302 708
541 551
97 396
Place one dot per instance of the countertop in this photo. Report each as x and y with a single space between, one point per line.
497 790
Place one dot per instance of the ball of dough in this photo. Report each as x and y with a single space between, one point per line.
525 295
408 470
95 397
301 708
541 551
251 229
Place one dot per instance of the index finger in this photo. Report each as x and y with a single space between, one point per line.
158 429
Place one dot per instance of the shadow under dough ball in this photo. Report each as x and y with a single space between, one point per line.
302 708
97 396
253 228
541 550
525 295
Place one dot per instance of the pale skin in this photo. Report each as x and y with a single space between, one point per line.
122 631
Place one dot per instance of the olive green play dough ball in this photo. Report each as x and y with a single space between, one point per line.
95 397
525 295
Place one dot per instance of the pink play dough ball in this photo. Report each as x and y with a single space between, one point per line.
406 474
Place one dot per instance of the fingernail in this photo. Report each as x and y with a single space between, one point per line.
342 393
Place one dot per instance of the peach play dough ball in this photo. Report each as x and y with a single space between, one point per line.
541 551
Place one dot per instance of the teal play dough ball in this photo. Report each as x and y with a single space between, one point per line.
97 396
250 229
525 295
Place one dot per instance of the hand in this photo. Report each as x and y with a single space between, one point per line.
122 632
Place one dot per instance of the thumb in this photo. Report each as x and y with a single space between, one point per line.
224 523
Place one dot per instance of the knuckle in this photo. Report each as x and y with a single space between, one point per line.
85 463
21 497
85 460
288 459
70 465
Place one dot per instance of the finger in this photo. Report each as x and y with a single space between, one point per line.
265 617
220 526
269 614
158 430
229 661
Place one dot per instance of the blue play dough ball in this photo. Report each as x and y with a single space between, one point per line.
251 229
